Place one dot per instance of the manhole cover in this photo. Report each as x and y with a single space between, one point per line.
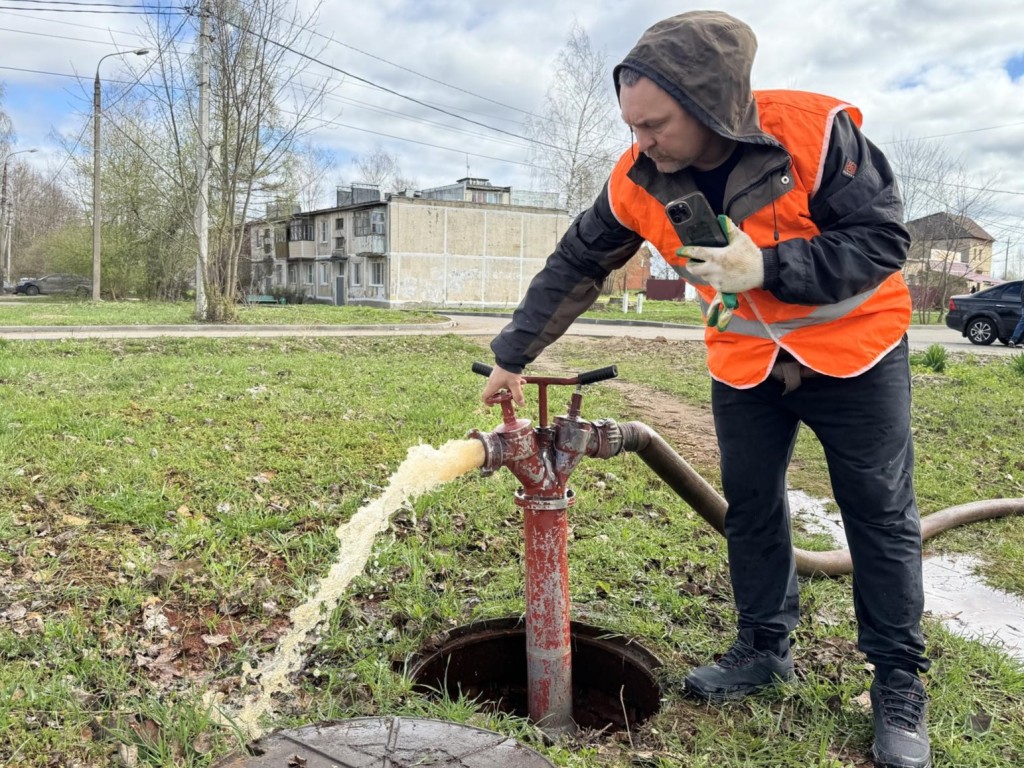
387 742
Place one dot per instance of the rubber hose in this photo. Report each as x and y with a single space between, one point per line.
640 439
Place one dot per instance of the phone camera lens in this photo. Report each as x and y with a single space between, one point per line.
679 213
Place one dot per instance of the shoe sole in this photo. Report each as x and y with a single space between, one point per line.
880 764
724 697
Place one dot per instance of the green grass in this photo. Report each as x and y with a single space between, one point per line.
46 311
203 480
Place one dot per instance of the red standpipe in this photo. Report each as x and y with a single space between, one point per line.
542 460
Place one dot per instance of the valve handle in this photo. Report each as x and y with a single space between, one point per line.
600 374
482 368
590 377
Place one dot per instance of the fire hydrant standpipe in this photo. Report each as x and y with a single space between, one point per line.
542 460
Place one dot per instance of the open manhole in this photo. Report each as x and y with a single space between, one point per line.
376 742
613 678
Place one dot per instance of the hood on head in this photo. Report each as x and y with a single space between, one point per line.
702 59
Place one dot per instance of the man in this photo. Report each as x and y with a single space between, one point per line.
816 246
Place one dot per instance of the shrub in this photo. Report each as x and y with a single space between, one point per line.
935 358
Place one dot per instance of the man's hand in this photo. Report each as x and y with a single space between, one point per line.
501 379
734 268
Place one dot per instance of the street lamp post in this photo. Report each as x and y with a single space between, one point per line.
5 223
96 170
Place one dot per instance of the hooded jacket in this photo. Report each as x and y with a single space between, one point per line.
848 242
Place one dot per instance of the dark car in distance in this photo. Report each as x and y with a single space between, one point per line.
986 315
33 286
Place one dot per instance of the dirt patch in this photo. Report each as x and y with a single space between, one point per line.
687 428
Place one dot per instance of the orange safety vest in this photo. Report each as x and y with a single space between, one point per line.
843 339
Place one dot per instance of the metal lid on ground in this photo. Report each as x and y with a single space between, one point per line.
374 742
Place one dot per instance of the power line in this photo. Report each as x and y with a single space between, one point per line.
421 143
80 78
85 127
55 37
965 186
78 2
952 133
384 110
75 24
393 92
406 69
95 12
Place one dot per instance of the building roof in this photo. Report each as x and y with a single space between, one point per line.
945 226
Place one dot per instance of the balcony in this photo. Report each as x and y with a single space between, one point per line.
369 245
338 251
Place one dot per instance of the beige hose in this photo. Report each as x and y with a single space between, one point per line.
709 504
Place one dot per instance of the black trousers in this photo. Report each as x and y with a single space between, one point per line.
863 423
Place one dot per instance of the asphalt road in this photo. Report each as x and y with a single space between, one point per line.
921 336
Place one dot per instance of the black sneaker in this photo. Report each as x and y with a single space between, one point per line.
743 670
900 710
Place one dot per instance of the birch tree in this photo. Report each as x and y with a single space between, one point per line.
575 131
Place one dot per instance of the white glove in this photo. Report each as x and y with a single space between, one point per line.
734 268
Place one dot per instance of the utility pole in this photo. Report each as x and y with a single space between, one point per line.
202 212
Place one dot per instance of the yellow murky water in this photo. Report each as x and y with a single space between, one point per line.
424 468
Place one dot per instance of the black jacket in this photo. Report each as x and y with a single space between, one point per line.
703 59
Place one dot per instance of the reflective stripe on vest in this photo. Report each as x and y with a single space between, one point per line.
842 339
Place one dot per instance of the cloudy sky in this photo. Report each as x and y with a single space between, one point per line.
943 71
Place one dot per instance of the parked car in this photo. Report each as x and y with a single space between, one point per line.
986 315
33 286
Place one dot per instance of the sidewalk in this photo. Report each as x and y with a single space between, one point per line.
475 324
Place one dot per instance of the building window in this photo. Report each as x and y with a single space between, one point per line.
368 223
309 274
361 225
339 243
325 274
377 272
339 224
293 274
355 274
299 229
280 274
323 231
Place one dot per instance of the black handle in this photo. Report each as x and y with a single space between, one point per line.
482 368
592 377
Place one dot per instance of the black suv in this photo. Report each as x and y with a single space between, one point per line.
986 315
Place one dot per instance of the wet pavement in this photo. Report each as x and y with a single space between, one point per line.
953 592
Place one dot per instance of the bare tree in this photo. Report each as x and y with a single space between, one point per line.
307 173
261 108
574 134
6 126
942 202
381 168
40 209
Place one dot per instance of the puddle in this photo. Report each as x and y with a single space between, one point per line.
424 468
952 592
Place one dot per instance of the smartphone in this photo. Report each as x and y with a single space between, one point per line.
695 222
